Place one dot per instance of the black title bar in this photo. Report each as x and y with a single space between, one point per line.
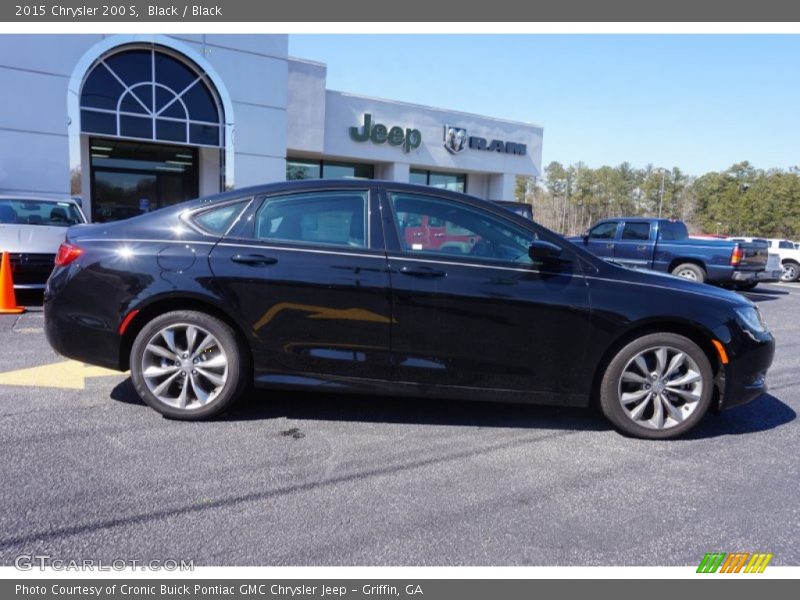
406 10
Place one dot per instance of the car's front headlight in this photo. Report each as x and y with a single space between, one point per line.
751 318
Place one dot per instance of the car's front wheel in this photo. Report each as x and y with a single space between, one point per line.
188 365
658 386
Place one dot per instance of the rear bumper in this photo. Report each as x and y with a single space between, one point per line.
746 275
74 326
767 276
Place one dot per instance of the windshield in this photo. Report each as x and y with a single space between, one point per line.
39 212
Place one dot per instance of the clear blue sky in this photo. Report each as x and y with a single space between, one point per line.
696 102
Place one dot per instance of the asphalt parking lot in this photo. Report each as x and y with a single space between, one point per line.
89 472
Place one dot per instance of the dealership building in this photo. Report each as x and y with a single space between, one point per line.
130 123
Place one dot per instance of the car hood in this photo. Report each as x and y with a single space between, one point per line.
35 239
664 280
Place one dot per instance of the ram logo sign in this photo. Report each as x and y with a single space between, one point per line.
456 140
735 562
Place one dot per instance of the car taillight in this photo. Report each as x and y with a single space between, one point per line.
737 255
67 253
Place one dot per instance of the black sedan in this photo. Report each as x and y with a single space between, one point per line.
379 287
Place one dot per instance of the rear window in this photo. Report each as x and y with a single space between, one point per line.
39 212
673 230
218 220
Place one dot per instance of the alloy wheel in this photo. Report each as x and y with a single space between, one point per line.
184 366
660 387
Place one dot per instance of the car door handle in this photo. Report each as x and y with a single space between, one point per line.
609 245
641 247
423 272
254 259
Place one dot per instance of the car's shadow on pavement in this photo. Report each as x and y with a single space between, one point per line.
764 413
764 295
264 404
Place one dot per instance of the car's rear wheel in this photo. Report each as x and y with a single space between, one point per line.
188 365
690 271
658 386
791 272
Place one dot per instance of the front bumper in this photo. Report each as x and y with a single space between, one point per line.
744 377
30 271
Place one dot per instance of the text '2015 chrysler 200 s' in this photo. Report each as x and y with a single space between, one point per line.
379 287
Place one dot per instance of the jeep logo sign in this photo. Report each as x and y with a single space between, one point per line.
408 140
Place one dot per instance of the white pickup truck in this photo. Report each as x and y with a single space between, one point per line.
788 254
790 258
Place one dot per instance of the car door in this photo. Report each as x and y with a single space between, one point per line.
601 239
308 272
634 247
480 313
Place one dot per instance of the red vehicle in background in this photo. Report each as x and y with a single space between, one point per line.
427 232
423 232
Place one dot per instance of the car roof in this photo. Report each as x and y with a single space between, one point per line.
333 184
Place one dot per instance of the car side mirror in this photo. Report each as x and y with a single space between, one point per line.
543 252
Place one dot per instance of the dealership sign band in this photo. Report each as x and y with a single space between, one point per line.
456 139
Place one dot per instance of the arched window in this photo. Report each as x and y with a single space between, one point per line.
145 93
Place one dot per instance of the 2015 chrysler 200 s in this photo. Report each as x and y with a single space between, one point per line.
339 286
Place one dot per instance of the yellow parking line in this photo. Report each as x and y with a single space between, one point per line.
69 374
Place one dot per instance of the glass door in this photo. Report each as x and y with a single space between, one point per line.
130 178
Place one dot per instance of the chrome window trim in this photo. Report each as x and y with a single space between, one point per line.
471 264
271 245
143 241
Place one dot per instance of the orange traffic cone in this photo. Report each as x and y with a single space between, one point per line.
8 301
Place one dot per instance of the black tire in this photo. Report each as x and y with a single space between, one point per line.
612 385
228 348
745 287
791 271
690 271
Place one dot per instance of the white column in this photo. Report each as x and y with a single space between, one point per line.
501 186
393 172
477 185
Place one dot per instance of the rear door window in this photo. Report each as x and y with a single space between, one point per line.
671 231
334 218
636 231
